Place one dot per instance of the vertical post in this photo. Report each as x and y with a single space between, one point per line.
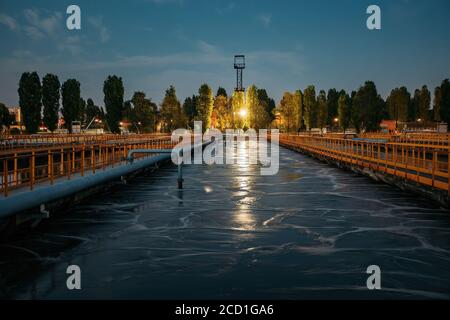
16 173
93 159
105 157
62 162
50 166
5 177
180 172
378 157
32 159
448 171
113 156
434 166
82 161
69 166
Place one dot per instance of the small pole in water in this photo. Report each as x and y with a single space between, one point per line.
180 173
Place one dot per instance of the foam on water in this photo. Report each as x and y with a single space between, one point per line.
308 232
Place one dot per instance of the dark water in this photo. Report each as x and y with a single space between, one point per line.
309 232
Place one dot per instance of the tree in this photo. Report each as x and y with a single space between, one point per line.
6 119
445 101
70 92
413 110
171 113
144 113
237 104
332 105
368 107
30 95
289 108
298 102
93 111
398 102
205 104
437 104
322 112
258 116
344 105
113 91
50 101
424 103
221 92
221 112
190 109
355 114
268 103
82 112
309 102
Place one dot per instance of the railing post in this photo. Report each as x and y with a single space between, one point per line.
73 158
113 158
82 160
448 170
434 166
69 166
15 174
93 159
5 177
50 166
32 159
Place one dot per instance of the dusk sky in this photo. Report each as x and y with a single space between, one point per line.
152 44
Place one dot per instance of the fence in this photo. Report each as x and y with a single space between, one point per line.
9 142
425 164
26 168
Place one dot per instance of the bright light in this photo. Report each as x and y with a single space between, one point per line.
336 119
243 113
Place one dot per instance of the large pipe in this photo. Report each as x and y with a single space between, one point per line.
43 194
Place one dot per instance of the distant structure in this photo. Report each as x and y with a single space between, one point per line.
239 65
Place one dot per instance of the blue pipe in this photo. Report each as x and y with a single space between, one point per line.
43 194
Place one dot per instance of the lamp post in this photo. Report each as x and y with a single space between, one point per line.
336 124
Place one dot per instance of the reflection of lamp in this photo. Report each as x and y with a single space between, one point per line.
243 113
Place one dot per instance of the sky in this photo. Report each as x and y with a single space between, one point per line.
289 44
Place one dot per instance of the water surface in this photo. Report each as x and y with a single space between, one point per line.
309 232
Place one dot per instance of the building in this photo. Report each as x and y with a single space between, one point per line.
17 125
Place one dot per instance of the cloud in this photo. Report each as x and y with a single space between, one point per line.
71 44
223 10
265 19
38 27
9 22
179 2
97 23
207 47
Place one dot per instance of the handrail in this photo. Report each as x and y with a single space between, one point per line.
25 168
425 164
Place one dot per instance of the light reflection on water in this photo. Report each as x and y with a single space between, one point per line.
309 232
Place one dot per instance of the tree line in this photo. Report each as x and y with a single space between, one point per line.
362 109
43 102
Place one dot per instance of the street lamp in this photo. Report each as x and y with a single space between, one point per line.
336 121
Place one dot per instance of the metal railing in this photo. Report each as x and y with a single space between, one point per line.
29 167
9 142
440 139
425 164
